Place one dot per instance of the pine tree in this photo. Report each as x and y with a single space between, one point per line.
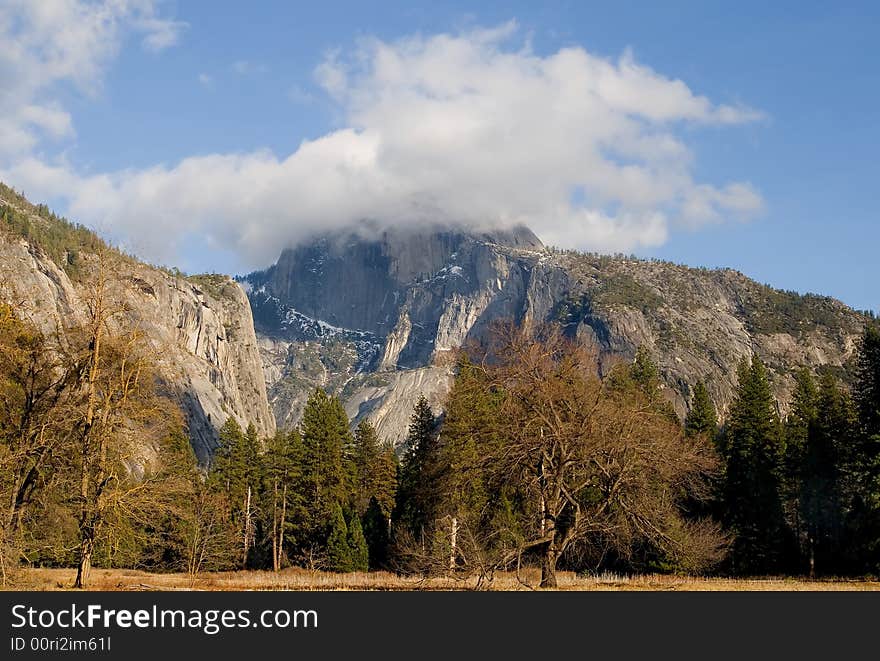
645 375
416 496
866 393
338 549
234 462
803 413
701 418
359 558
753 447
823 490
466 498
867 388
864 517
375 469
252 442
644 370
377 534
327 473
385 483
801 419
282 493
235 471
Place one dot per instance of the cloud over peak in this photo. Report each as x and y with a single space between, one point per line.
471 128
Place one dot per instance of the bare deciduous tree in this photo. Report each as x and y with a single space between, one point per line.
34 434
596 462
118 395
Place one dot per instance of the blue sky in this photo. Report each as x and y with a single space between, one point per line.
232 82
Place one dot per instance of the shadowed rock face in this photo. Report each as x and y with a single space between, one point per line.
374 317
353 311
361 283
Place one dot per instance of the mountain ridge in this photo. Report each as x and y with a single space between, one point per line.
697 322
375 317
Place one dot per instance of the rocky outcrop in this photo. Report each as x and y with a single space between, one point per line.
201 329
699 324
388 402
375 318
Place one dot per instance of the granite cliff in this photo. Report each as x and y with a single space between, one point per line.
201 327
375 317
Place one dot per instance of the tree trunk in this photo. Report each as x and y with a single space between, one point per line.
87 518
16 500
275 526
812 559
84 567
247 528
548 528
281 527
548 565
192 564
278 521
454 540
543 513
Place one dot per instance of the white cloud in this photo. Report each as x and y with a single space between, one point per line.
50 42
465 128
704 204
205 79
51 118
160 33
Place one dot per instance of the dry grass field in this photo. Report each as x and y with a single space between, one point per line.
301 579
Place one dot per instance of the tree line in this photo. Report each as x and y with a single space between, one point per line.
537 460
802 495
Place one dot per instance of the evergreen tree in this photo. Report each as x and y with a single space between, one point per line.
327 484
377 534
644 374
234 463
375 469
804 409
823 490
416 496
867 388
753 447
468 498
338 549
864 517
701 418
801 419
359 558
385 482
252 443
282 493
235 471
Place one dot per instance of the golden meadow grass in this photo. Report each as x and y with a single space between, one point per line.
302 579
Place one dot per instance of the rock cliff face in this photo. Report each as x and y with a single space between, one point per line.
201 328
374 319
